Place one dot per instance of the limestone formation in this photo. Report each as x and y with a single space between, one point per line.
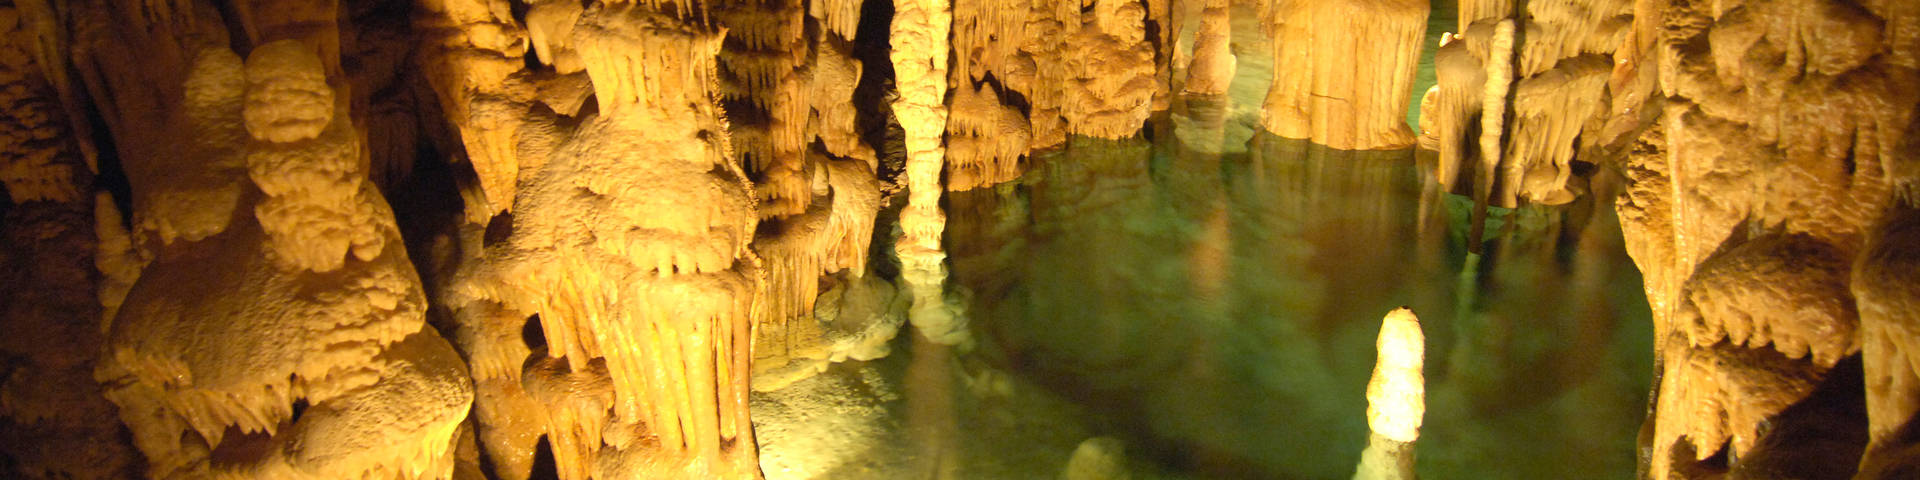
645 306
307 355
1557 60
1884 287
1343 74
54 422
236 231
1396 398
1213 64
1752 196
919 65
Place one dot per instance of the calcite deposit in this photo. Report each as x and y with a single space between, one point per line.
1344 71
569 238
1752 207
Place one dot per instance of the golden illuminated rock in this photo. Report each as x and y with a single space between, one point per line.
1753 196
1396 396
1557 61
1886 288
1213 64
630 244
207 368
920 28
1344 71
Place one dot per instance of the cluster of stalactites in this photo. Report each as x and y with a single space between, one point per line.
987 136
1111 77
1752 212
1557 61
475 54
764 71
630 243
833 236
336 321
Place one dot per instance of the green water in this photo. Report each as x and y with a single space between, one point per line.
1209 297
1218 309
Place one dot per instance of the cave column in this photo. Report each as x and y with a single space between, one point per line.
1343 75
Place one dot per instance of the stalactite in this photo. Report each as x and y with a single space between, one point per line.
986 139
987 135
473 54
1213 65
764 71
1344 73
842 17
1049 31
1493 117
1559 69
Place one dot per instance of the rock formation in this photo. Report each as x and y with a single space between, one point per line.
1396 398
54 423
1752 199
239 229
1343 74
306 355
1554 59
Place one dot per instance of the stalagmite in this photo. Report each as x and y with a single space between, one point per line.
1100 458
1396 398
1344 71
919 56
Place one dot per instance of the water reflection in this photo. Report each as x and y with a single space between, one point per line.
1213 302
